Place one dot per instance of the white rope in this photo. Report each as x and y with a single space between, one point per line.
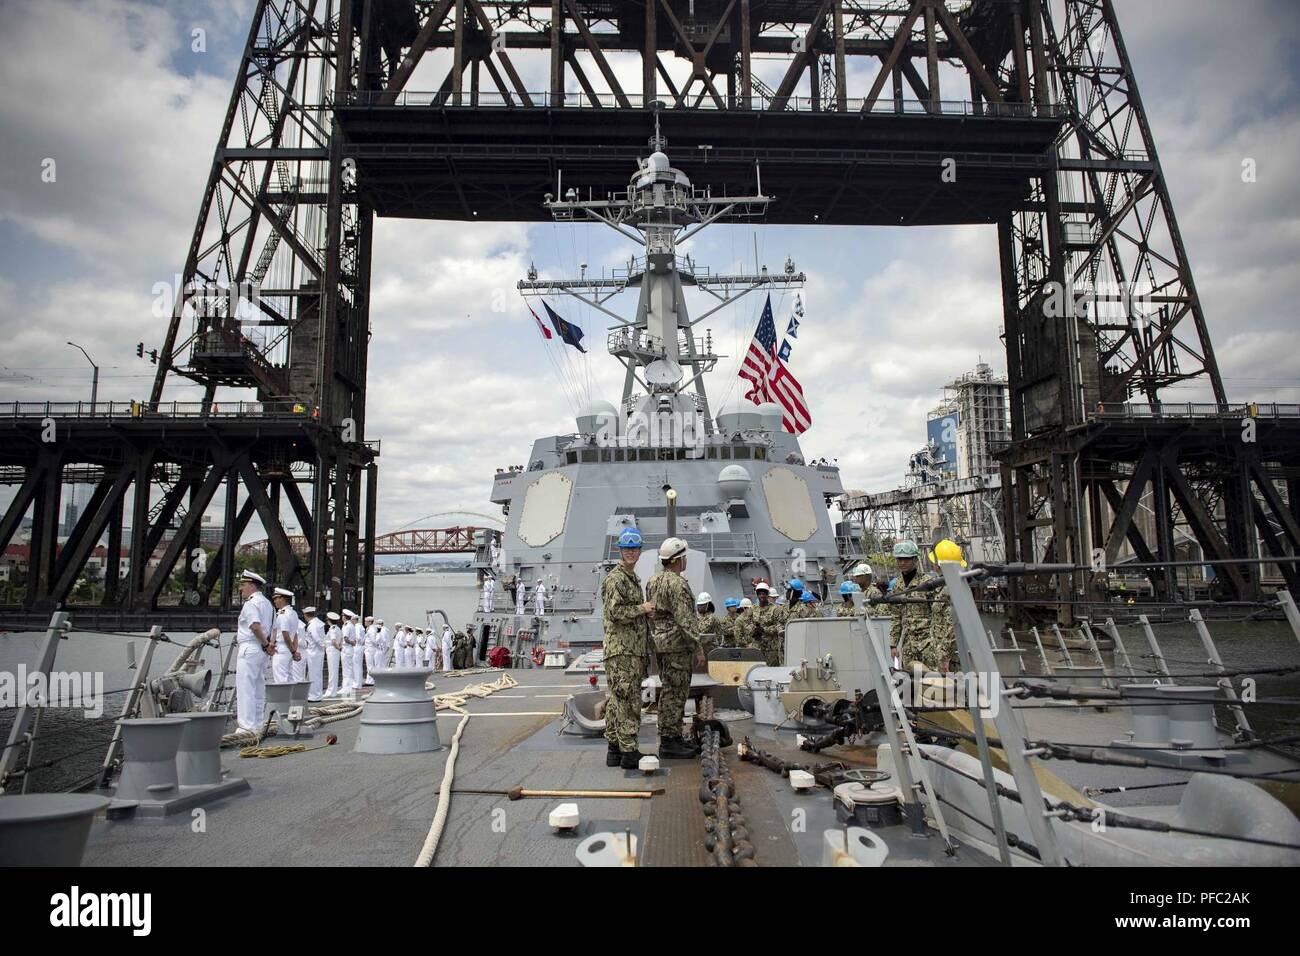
454 701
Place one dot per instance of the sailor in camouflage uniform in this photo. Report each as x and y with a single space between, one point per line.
807 606
846 606
862 576
713 633
742 628
769 625
676 627
627 633
922 631
728 624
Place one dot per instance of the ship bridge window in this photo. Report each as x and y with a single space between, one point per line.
743 451
760 453
645 454
711 452
724 451
666 454
571 458
620 454
590 454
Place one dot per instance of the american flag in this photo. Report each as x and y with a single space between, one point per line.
770 380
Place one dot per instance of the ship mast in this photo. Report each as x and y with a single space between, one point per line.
660 210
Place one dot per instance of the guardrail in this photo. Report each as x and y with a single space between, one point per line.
1108 412
755 102
140 410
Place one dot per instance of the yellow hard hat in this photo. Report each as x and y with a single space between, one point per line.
947 550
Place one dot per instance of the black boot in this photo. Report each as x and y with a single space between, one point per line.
675 748
630 760
613 756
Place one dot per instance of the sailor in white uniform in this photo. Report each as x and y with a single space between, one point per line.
315 652
447 638
299 670
349 645
421 642
383 638
286 636
521 601
399 645
408 647
539 598
254 635
368 644
431 649
358 651
489 593
333 653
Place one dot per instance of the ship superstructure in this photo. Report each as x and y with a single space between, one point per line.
733 482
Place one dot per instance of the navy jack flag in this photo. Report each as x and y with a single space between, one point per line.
570 334
769 378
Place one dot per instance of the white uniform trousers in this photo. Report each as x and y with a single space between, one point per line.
299 669
282 666
370 662
250 685
332 662
358 664
348 682
314 660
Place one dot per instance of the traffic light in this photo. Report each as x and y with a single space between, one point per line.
153 356
139 350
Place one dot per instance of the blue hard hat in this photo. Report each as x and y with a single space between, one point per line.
630 538
731 602
806 597
795 584
848 587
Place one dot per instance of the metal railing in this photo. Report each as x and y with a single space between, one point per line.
1109 411
757 101
141 410
721 546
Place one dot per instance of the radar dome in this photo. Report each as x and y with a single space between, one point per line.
772 416
598 416
733 481
738 414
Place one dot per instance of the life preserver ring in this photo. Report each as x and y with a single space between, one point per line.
539 655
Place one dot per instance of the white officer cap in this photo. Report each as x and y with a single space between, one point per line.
332 615
283 592
252 576
347 613
703 598
309 610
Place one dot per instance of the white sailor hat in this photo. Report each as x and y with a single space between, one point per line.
379 620
283 592
369 618
332 615
400 624
309 610
347 613
252 576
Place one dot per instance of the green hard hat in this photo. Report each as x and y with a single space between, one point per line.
906 549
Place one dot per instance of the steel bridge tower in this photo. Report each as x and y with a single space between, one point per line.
863 111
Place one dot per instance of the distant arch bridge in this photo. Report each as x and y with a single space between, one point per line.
448 539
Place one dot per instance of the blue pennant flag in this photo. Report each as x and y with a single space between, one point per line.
569 333
784 354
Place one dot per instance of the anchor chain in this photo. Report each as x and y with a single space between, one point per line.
726 834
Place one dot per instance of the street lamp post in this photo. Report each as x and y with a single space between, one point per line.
94 382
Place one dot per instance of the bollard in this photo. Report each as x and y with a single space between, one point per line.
198 761
46 829
399 717
149 747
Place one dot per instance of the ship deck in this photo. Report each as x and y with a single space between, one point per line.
335 807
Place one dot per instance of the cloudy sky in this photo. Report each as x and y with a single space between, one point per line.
113 92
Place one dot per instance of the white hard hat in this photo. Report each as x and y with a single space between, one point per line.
746 602
703 598
861 570
671 550
763 586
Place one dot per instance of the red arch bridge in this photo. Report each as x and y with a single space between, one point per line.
455 540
